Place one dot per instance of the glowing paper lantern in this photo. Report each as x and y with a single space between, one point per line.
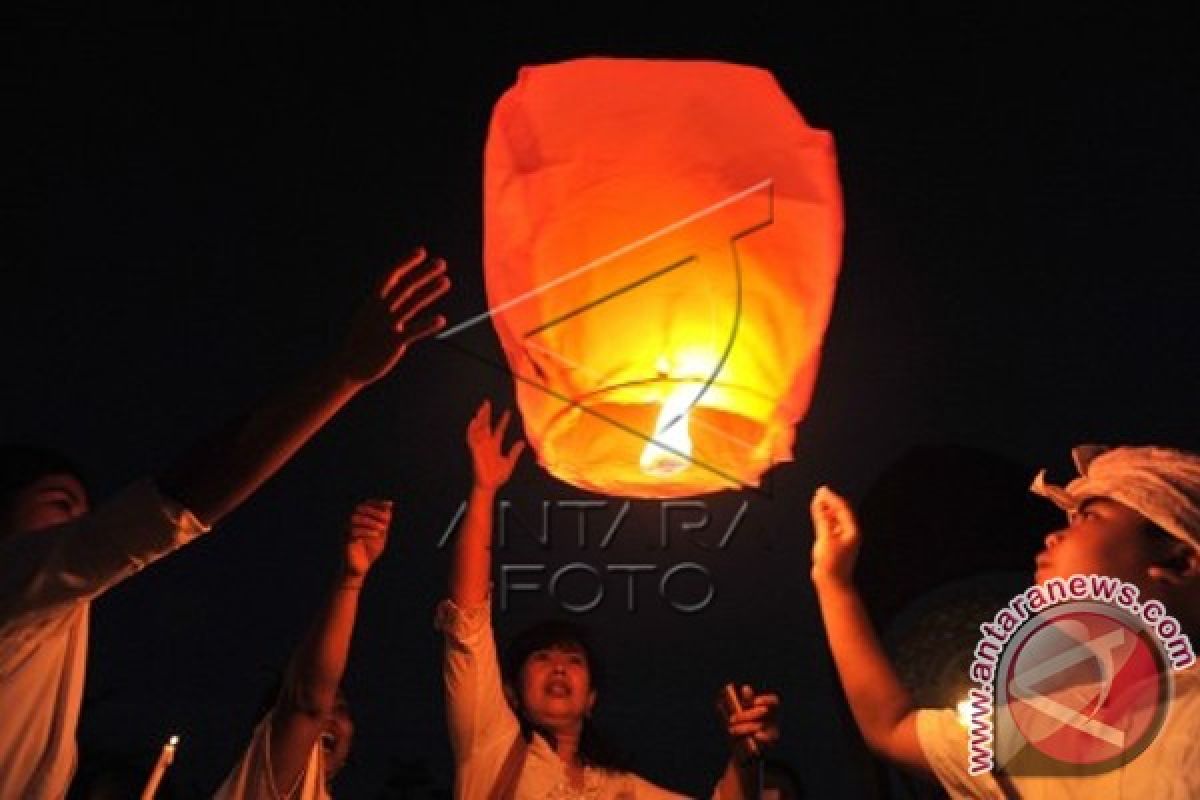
662 242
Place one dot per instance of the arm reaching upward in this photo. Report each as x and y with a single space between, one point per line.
471 567
482 726
315 672
218 474
880 703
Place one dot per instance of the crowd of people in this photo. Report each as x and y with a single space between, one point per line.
520 716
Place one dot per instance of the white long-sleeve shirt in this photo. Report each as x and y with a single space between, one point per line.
252 778
47 581
483 726
1168 769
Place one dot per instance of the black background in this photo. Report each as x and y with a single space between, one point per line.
196 200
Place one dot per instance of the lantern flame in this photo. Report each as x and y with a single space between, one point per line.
676 237
670 431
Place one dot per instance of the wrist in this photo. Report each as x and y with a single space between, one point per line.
742 774
825 581
350 578
337 372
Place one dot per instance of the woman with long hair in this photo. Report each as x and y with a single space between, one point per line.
525 731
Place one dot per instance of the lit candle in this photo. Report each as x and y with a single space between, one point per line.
963 711
164 760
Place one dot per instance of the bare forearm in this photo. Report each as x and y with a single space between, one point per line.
739 781
319 662
219 473
310 687
471 569
877 698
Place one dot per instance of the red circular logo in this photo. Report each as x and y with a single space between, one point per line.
1087 686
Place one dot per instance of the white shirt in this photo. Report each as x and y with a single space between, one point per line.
483 726
47 581
1168 769
252 778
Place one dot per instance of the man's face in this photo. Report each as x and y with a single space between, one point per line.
556 690
336 737
1102 537
48 501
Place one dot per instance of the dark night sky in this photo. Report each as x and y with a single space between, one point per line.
197 201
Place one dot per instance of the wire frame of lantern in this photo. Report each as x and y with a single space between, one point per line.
662 241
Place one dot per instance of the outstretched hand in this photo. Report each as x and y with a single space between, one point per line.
387 322
835 538
493 467
366 536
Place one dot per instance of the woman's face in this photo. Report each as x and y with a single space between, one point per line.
336 737
48 501
556 688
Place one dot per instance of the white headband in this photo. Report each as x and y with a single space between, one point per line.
1161 484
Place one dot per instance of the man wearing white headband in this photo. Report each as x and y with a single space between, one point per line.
1139 510
1134 514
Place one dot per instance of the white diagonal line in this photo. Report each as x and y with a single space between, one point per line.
1081 651
596 262
1024 682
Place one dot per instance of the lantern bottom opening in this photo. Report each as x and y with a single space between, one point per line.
600 446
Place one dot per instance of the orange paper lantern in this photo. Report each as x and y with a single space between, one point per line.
662 241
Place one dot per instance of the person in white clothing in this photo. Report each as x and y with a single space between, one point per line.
56 554
530 738
302 742
1132 514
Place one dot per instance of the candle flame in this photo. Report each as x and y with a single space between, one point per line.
174 740
670 431
963 709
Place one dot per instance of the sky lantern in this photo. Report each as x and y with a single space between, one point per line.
661 248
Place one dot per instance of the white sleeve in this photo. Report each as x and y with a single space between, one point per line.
42 571
251 777
944 742
477 711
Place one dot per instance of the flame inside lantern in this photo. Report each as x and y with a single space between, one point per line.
671 449
686 212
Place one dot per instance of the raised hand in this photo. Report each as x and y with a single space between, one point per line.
835 538
366 536
387 322
218 473
493 467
